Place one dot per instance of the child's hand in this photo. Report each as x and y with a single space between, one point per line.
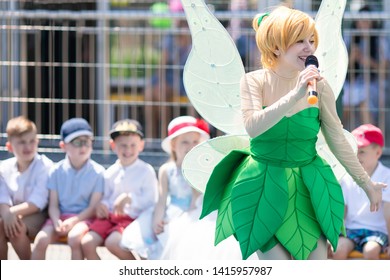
102 211
12 224
59 228
120 203
118 210
158 226
68 224
374 194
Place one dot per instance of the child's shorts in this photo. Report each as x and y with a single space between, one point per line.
63 217
362 236
34 223
104 227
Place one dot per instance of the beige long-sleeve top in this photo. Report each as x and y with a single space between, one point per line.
264 88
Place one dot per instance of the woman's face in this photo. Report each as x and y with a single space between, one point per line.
293 59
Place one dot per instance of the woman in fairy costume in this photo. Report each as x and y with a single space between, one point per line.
279 197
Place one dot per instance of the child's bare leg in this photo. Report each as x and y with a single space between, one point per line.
21 243
344 247
371 250
3 242
321 252
42 241
276 253
89 243
22 246
112 244
74 240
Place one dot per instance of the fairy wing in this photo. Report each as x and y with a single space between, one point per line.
214 67
211 78
201 160
324 151
332 53
333 62
212 75
213 70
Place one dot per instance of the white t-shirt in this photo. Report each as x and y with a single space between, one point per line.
358 205
138 180
28 186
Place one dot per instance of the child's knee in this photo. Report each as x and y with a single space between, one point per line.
41 242
112 242
74 241
340 254
89 242
372 251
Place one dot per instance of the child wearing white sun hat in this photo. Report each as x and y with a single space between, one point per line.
147 236
186 237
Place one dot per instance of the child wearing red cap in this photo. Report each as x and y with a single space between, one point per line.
367 232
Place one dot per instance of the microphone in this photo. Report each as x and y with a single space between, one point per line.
312 85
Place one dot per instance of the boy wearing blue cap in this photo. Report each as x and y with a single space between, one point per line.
75 187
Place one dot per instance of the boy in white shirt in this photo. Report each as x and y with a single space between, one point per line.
75 185
23 195
367 232
130 188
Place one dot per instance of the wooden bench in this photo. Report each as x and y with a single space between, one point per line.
358 255
61 251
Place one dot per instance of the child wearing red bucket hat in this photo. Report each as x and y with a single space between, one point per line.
367 232
148 235
182 125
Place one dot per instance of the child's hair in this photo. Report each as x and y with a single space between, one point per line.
126 127
173 155
20 125
279 30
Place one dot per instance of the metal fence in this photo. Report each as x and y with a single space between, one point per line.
108 60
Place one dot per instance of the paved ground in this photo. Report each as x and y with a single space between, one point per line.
62 252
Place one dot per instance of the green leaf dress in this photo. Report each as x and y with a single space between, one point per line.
277 191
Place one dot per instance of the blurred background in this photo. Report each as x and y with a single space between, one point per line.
112 59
